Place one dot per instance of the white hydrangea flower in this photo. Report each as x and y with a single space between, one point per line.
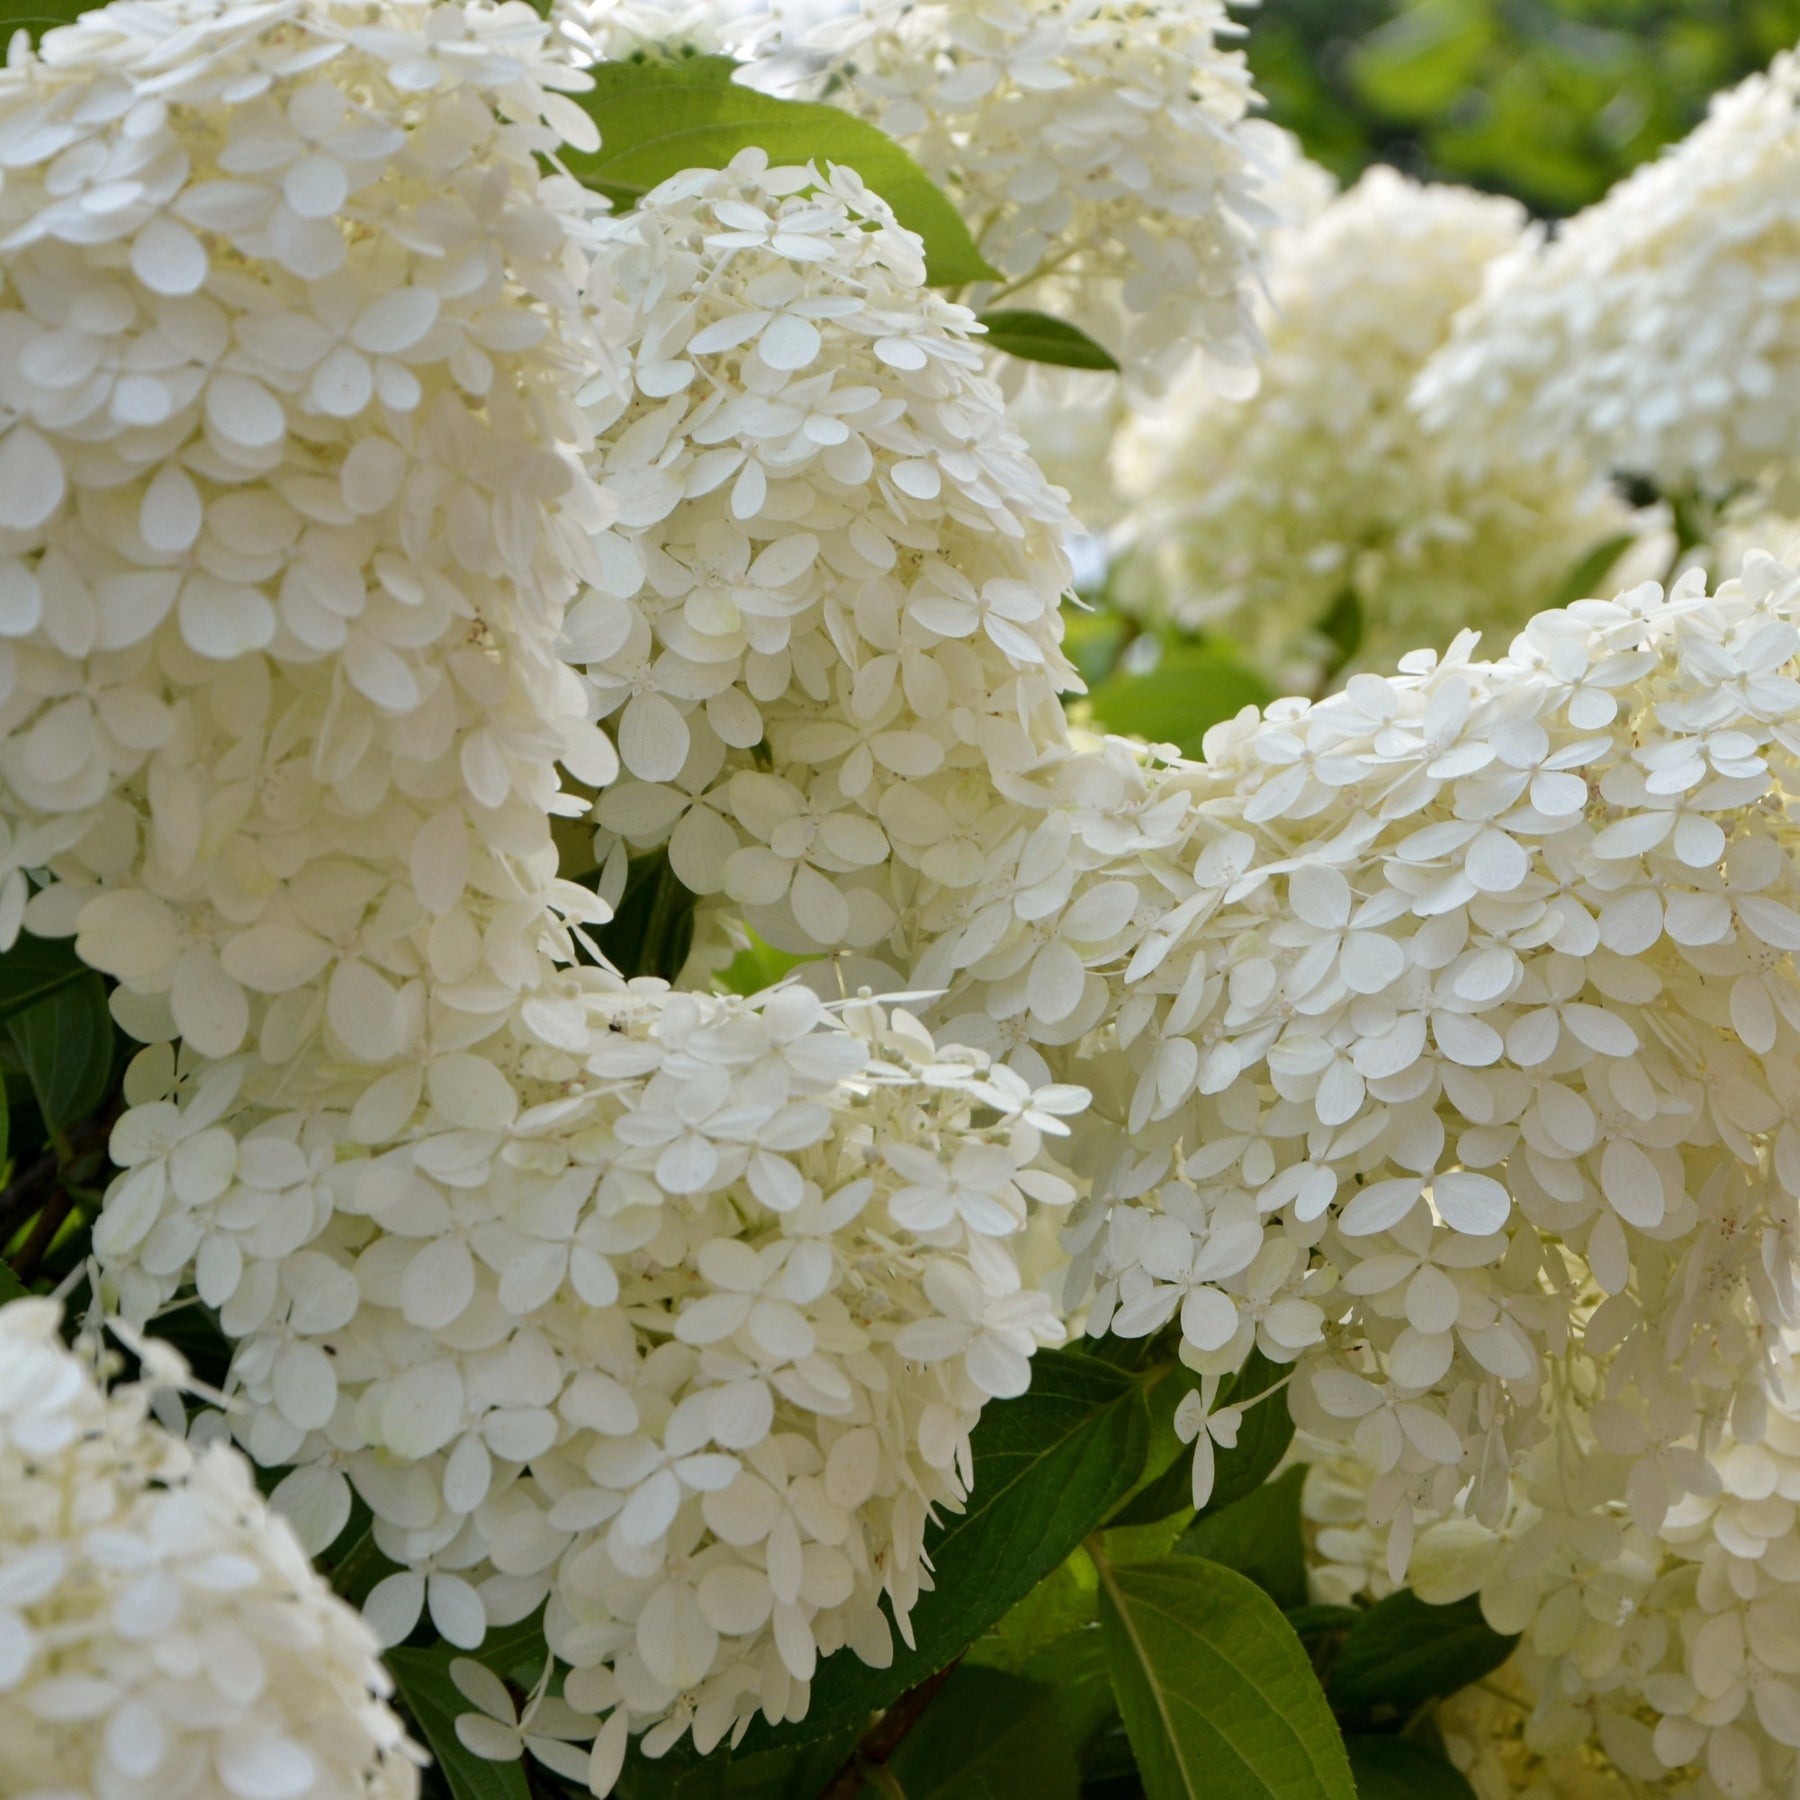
1434 1019
1072 420
594 31
1098 151
1489 1732
1660 1648
683 1329
826 639
1262 516
1655 333
160 1631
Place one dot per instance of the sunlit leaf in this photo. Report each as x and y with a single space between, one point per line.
660 116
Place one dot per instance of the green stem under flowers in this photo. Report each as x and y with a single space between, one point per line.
866 1765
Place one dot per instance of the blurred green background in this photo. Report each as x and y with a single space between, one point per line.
1550 100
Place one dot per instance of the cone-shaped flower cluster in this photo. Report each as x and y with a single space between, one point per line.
1656 333
1321 498
160 1632
1453 1062
677 1311
1100 150
826 634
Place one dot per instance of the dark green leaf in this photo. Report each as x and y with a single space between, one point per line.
11 1287
1075 1666
985 1725
1048 1467
1219 1699
1394 1768
65 1042
429 1695
38 16
1259 1537
1064 1601
1036 337
799 1772
1342 626
661 116
1314 1620
652 929
1192 687
1402 1652
35 968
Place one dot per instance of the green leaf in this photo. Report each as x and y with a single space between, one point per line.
652 928
661 116
1315 1619
66 1044
38 16
1219 1699
1048 1467
1402 1652
757 967
1259 1537
1192 687
11 1287
797 1773
35 968
423 1678
1075 1666
1036 337
1419 64
1063 1602
988 1726
1394 1768
1342 627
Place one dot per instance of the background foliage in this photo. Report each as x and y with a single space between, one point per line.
1550 100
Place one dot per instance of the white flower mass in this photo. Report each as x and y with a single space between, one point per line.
1657 332
1261 516
1099 150
161 1633
365 478
675 1310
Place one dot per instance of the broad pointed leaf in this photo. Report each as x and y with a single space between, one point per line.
1037 337
663 115
1219 1699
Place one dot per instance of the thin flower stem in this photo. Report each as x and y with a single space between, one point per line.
866 1765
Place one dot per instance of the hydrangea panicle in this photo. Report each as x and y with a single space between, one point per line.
161 1631
1656 332
1322 493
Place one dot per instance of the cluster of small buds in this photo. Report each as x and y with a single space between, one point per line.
1098 147
826 638
1657 332
160 1632
1275 516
